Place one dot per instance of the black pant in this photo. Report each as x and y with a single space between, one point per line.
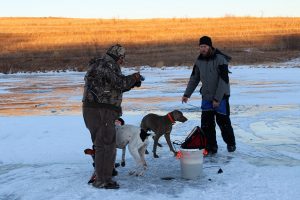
208 125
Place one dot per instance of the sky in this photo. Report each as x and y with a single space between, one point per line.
137 9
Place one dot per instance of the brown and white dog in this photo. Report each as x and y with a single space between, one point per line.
161 125
137 142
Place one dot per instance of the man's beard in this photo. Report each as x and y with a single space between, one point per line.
207 54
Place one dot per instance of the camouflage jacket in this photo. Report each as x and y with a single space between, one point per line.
105 84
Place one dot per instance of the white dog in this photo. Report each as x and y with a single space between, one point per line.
137 141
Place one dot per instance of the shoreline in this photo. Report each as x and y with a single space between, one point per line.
253 59
51 44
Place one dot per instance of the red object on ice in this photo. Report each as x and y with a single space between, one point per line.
178 155
205 152
89 152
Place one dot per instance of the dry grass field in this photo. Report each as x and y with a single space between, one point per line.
40 44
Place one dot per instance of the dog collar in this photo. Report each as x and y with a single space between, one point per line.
171 119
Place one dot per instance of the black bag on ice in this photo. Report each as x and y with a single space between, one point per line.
195 140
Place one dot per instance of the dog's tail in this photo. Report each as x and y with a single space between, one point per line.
144 135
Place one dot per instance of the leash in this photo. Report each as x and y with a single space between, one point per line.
176 142
199 107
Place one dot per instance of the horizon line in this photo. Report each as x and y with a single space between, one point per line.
148 18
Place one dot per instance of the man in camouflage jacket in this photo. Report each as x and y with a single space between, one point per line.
211 68
102 98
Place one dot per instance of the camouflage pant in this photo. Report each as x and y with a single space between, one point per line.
101 124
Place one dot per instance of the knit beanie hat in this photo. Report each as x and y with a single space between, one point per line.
205 40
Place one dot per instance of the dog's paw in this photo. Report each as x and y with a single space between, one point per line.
123 164
146 152
137 173
114 172
155 156
117 165
140 173
132 172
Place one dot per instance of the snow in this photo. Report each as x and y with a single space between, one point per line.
42 137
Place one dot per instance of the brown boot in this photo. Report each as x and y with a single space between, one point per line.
107 185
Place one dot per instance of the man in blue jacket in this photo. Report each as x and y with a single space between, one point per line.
211 69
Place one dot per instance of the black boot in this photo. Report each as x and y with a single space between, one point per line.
231 148
212 150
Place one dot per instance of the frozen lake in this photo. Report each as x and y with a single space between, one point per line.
42 137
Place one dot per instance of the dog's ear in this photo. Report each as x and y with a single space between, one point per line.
177 112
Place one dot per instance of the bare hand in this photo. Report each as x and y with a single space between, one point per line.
215 104
184 99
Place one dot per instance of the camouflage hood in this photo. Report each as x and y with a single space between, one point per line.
116 51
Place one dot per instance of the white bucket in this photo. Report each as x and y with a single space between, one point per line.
191 162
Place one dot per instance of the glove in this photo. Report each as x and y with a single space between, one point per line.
138 76
137 84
